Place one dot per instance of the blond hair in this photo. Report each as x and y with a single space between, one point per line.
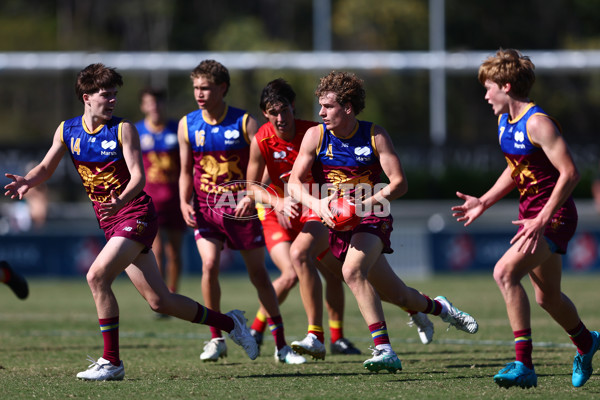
509 66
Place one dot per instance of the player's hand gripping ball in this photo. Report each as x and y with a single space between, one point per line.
344 214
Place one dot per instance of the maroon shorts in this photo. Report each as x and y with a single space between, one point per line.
239 234
166 202
339 242
561 227
136 221
558 233
169 216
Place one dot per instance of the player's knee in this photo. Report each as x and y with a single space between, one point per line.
210 269
299 255
503 275
352 275
95 278
289 281
542 300
158 304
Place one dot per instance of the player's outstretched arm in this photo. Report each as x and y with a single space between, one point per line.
40 173
473 207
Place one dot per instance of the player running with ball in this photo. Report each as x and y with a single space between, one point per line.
343 152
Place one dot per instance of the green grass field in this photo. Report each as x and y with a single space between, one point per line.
44 341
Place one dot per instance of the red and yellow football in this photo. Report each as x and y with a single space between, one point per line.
344 214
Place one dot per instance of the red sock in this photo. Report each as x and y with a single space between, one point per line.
110 334
214 319
434 307
524 347
336 330
260 322
581 337
379 333
276 327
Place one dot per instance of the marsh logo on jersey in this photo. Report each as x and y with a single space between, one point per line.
170 139
108 145
519 137
363 153
231 136
147 142
278 155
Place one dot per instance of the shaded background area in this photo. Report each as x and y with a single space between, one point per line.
33 102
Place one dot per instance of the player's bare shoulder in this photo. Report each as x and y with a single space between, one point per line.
382 139
312 138
379 130
542 129
129 134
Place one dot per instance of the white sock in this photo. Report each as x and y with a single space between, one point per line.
387 348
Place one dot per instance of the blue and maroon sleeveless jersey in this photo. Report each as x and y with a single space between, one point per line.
532 171
160 153
98 158
220 151
351 160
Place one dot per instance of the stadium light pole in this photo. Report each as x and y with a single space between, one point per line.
321 25
437 74
321 35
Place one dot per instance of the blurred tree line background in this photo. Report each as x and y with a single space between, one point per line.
32 103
